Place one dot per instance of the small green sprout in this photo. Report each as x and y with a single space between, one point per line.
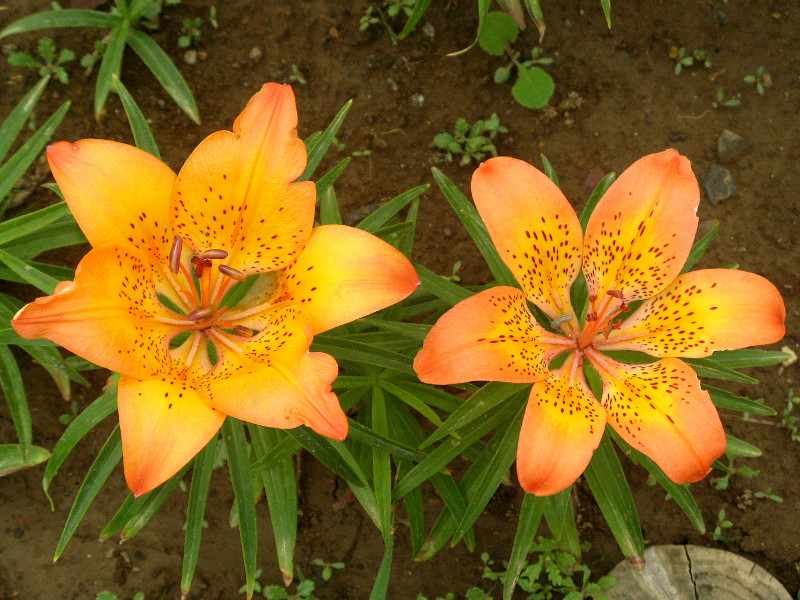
685 59
395 7
769 495
67 418
303 591
472 142
790 421
327 568
534 86
191 32
88 61
762 79
360 153
51 62
722 525
720 100
105 595
737 449
212 17
297 76
454 277
368 19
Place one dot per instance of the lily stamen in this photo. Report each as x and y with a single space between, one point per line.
175 254
214 254
198 314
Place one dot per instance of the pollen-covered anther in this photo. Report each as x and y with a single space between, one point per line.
232 273
243 331
175 254
200 265
198 314
214 254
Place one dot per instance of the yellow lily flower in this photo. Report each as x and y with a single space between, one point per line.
167 249
636 242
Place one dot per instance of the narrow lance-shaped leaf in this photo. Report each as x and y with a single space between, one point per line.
15 121
561 520
154 500
14 391
107 460
24 225
13 457
142 134
54 19
380 217
724 399
530 515
420 6
320 144
28 274
110 67
381 585
382 466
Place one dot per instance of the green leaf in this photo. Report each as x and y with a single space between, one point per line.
82 424
164 71
15 457
110 66
142 134
280 488
749 357
321 143
499 29
276 454
378 218
612 493
725 399
327 180
15 167
468 215
329 208
195 511
413 401
382 466
23 59
14 391
24 225
27 273
561 520
16 119
533 87
381 585
150 504
420 6
709 367
49 237
483 8
107 460
377 440
699 248
55 19
530 515
344 350
441 287
739 448
239 466
61 372
599 191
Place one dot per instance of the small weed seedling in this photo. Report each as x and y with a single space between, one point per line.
457 268
327 568
720 100
109 596
736 449
395 7
769 495
472 142
303 591
51 62
762 79
297 76
473 593
684 59
368 19
790 421
560 570
191 32
67 417
722 525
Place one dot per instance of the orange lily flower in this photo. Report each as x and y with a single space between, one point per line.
148 300
636 242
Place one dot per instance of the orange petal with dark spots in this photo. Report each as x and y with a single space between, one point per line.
343 274
534 229
642 230
660 410
284 395
562 427
489 337
164 423
705 311
117 193
236 192
107 315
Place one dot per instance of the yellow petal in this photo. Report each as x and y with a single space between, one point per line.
562 427
660 410
164 423
533 227
489 337
702 312
107 315
271 379
235 192
345 273
642 230
117 193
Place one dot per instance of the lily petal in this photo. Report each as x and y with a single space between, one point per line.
490 336
344 273
107 315
661 410
704 311
118 194
271 379
533 227
164 423
641 232
235 191
562 427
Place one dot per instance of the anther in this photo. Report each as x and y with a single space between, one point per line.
243 331
200 264
175 254
615 293
214 254
560 320
232 273
198 314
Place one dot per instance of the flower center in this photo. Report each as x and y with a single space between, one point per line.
600 319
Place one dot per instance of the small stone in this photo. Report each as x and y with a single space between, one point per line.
429 30
18 532
447 232
731 147
417 100
255 53
190 57
718 184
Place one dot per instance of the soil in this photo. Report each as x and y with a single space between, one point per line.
616 100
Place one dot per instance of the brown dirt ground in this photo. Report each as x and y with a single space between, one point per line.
632 104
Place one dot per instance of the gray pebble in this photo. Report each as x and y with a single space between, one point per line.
718 184
731 147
